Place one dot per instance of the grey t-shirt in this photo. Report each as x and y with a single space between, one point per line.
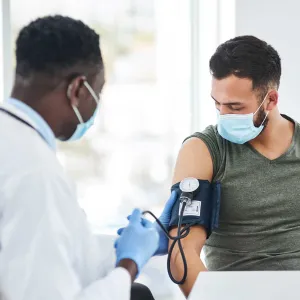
260 206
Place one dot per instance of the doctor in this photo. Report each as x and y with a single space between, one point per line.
47 251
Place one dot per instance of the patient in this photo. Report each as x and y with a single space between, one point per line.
254 151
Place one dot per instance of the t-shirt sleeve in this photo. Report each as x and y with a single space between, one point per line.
215 144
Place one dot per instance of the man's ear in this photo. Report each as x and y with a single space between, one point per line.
73 90
272 100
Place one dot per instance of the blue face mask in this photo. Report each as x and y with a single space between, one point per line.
239 128
83 127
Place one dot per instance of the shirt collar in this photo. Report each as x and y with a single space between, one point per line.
41 125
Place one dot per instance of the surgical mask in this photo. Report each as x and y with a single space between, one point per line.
83 127
239 128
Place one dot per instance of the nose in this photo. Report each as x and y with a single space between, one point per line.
222 109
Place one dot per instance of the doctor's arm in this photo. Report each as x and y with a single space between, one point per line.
39 250
193 160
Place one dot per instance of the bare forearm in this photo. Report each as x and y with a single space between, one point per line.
192 246
195 266
130 266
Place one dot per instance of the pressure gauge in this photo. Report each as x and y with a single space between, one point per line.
189 185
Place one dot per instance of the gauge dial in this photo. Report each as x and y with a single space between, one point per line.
189 184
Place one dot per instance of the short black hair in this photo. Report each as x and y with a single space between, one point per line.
54 44
247 57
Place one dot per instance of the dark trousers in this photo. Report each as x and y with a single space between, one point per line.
140 292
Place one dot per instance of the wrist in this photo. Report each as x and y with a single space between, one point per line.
130 266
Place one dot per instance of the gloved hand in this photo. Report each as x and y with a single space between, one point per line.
165 220
138 241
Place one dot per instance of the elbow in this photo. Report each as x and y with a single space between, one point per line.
192 244
176 256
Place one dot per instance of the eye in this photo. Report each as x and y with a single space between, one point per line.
217 103
235 108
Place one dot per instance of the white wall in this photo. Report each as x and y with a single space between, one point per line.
278 23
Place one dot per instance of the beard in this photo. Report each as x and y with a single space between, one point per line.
261 119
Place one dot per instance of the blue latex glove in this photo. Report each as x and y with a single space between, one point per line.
138 241
165 220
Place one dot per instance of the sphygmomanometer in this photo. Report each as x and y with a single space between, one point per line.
198 203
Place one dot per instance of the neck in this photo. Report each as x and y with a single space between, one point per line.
279 131
38 102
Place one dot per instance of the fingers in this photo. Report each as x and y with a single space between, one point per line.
116 243
120 230
146 223
171 201
135 217
172 198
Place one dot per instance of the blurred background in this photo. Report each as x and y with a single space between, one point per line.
156 55
150 102
126 160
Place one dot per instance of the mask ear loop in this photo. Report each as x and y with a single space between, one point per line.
92 92
262 123
261 104
260 107
76 111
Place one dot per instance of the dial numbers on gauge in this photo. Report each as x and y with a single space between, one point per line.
189 184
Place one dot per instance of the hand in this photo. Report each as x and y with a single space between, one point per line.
165 220
165 216
138 241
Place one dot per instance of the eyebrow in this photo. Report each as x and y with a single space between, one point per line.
228 103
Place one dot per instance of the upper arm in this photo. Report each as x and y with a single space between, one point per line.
194 160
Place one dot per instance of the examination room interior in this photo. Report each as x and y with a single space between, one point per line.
157 92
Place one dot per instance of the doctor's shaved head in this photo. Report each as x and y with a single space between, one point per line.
55 57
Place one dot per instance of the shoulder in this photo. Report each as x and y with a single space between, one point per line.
23 149
194 160
32 175
211 142
209 135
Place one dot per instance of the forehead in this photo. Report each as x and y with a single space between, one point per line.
232 88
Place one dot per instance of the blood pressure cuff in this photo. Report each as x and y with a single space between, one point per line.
204 208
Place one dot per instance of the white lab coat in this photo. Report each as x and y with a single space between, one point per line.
47 250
